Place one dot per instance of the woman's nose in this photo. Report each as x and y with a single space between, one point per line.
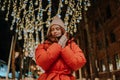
55 31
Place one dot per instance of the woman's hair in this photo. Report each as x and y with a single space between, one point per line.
49 36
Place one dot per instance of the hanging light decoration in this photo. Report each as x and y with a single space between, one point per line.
27 17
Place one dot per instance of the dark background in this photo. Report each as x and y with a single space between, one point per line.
5 38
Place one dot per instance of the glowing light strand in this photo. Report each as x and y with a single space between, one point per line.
29 19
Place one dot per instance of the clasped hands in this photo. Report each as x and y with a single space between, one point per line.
62 41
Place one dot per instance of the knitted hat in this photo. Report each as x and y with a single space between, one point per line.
56 20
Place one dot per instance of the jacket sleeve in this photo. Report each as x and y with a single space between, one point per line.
73 56
45 58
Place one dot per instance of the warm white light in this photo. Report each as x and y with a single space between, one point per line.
26 54
16 54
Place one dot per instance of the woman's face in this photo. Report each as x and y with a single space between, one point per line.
56 31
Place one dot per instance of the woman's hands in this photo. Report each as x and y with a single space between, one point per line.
62 41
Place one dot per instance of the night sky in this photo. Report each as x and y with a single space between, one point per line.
5 38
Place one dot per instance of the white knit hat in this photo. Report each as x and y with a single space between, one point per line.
56 20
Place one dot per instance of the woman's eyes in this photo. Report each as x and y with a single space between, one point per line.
58 28
55 29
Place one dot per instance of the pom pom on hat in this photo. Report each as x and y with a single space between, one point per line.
58 21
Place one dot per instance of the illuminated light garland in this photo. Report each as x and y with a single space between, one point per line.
28 17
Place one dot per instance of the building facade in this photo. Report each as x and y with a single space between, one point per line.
100 40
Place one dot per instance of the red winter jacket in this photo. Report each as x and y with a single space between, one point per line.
59 62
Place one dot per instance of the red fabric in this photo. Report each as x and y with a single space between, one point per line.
58 62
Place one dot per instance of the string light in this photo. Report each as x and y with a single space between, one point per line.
28 16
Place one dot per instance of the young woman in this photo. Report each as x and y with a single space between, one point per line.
58 55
